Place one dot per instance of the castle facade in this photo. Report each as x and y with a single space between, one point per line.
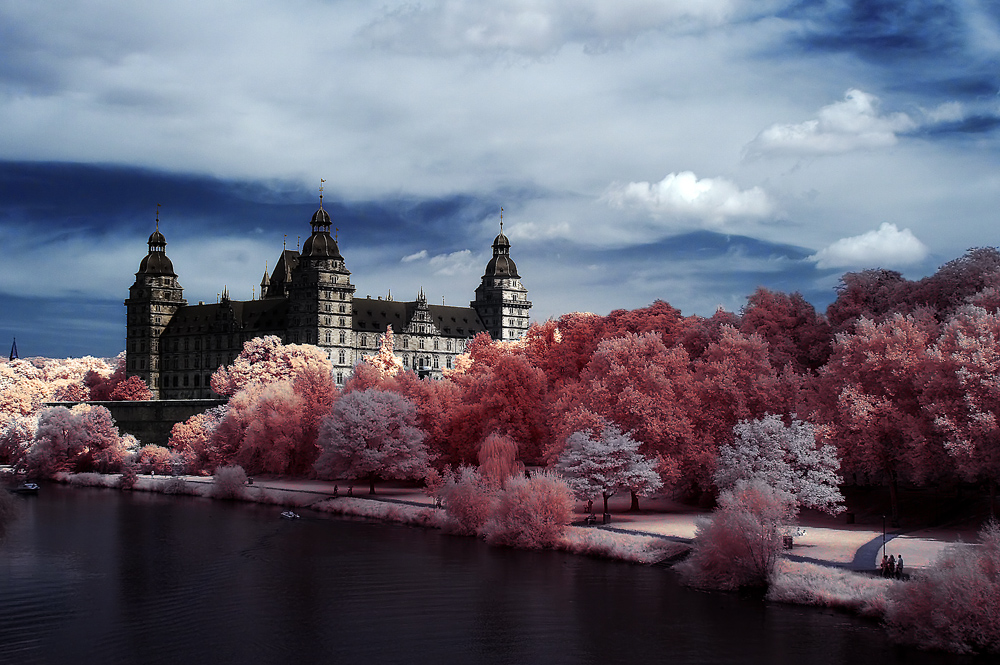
307 299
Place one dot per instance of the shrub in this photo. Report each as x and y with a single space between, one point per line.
468 500
739 546
129 476
531 512
955 604
229 482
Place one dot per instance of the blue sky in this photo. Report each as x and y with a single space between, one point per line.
688 150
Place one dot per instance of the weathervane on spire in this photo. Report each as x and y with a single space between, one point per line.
158 216
501 219
321 181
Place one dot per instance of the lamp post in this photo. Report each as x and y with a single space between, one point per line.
883 536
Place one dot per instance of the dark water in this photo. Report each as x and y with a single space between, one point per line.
98 576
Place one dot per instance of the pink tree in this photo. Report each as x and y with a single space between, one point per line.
795 334
80 439
735 381
498 459
964 393
605 464
132 389
385 360
372 434
194 438
870 396
265 360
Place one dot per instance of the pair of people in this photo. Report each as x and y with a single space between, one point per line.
891 566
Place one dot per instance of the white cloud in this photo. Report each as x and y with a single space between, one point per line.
710 200
887 247
852 124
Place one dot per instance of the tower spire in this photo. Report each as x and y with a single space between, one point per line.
158 216
13 350
501 219
321 181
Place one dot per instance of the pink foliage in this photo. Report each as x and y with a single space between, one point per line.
132 389
372 434
739 546
871 397
498 459
468 499
194 440
16 438
82 439
385 360
154 458
265 360
530 512
955 604
964 391
795 334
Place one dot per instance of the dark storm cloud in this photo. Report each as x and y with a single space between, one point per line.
973 124
882 29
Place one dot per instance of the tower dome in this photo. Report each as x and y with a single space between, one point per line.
501 265
156 261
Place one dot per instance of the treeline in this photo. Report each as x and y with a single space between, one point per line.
899 375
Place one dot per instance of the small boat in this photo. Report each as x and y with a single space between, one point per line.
25 488
289 515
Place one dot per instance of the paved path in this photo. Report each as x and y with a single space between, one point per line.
825 542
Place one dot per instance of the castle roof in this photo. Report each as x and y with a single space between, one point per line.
372 316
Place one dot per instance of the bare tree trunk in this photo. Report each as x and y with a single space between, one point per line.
606 497
371 484
635 502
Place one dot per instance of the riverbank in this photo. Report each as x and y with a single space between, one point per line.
826 541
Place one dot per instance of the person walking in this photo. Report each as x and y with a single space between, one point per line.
899 567
883 568
892 566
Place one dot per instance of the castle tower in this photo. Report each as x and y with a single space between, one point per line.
320 295
153 299
501 300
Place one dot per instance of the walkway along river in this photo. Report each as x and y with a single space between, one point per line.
101 576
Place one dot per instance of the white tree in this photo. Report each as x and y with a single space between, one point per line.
606 465
372 434
786 457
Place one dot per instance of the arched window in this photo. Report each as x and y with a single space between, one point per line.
340 378
435 362
343 357
420 342
343 338
364 340
435 345
329 337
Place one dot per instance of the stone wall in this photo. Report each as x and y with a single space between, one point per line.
151 421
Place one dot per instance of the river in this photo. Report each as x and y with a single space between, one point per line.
100 576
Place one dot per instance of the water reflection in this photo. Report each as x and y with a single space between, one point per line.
97 576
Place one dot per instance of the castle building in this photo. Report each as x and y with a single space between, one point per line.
307 299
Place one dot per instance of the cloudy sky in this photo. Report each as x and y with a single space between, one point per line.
687 150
